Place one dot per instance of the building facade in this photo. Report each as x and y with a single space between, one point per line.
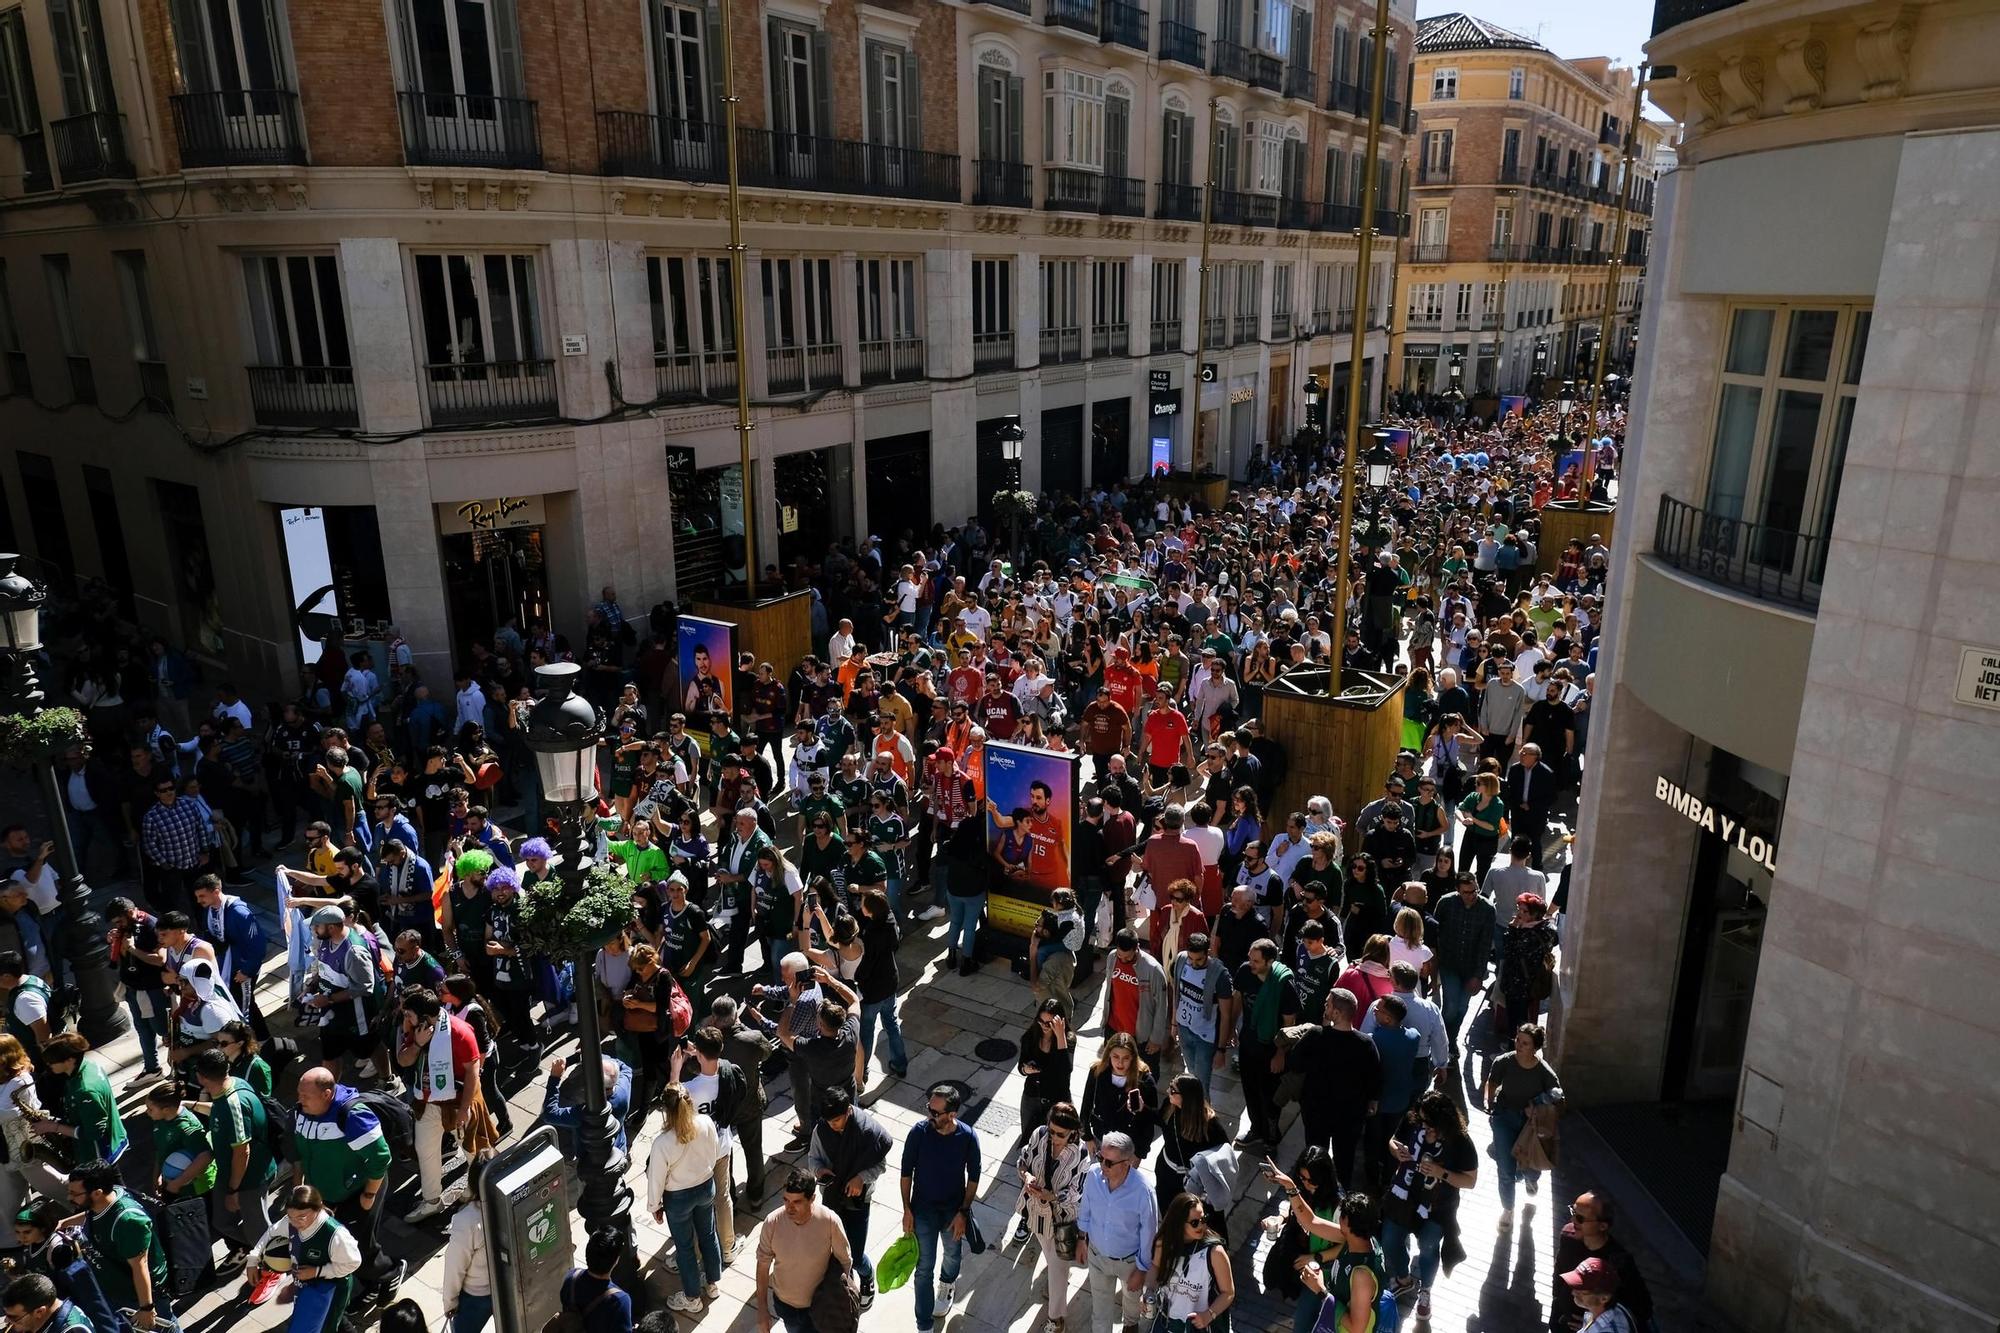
433 305
1784 919
1515 174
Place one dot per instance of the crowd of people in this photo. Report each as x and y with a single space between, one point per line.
777 857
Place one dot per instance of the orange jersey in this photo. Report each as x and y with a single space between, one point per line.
1048 856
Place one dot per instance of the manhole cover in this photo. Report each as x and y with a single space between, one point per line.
995 1050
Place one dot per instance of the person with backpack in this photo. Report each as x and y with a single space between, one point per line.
339 989
126 1253
344 1149
590 1301
443 1056
1350 1278
241 1138
1191 1266
34 1306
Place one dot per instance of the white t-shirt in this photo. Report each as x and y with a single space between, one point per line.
44 892
978 621
1401 952
704 1089
29 1006
906 597
839 648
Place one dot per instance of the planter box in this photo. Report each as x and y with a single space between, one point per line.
1564 522
1338 748
1211 492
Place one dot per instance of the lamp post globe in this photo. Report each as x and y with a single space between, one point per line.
1380 461
103 1018
563 733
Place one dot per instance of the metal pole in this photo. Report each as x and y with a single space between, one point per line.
736 281
1617 271
1358 357
103 1019
606 1200
1201 295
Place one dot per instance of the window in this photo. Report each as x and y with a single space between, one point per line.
1789 379
800 86
1117 131
1269 161
1281 292
1503 224
1060 308
1073 119
1510 151
1437 154
1249 290
1433 227
1444 85
693 302
80 57
137 301
1336 176
992 296
1426 302
229 46
462 48
798 302
19 114
478 309
894 96
1272 27
69 326
1464 311
1169 277
1177 148
1324 280
1108 279
999 116
12 355
680 67
1343 42
1489 301
1517 83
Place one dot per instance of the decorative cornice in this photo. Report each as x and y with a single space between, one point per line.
1801 67
1883 48
498 442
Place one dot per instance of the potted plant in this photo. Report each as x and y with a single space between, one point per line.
570 923
30 738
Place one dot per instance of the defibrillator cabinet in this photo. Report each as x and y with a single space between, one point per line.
529 1249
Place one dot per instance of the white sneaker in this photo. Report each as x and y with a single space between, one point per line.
711 1291
424 1211
682 1303
1534 1184
931 913
1506 1223
944 1294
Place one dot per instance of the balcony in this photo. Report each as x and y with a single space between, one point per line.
1124 197
993 351
1241 208
1111 340
1076 15
1266 72
1178 203
888 360
1434 173
1340 218
82 380
1504 252
35 175
1573 186
1123 24
1545 179
477 393
1003 185
1608 134
800 369
1343 320
156 390
1297 215
1321 321
1281 326
1243 329
1391 223
239 129
1769 564
462 130
781 160
693 377
1182 44
303 396
1347 97
1167 335
1013 6
1062 344
1232 61
1302 83
1065 189
1392 114
633 143
1215 332
1511 173
1429 254
91 147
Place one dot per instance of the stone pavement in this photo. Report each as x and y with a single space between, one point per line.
1501 1287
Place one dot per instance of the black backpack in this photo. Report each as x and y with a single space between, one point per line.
399 1122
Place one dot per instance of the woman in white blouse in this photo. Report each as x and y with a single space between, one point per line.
680 1180
1052 1165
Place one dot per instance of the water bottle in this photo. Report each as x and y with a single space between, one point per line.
1148 1307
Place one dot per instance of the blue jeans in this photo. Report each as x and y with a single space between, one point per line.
854 1221
962 933
894 888
473 1312
1454 1000
1396 1250
1198 1054
885 1010
691 1221
1305 1312
1507 1127
933 1230
152 1029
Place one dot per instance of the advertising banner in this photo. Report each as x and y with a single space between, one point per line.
1399 441
1030 829
1513 404
707 666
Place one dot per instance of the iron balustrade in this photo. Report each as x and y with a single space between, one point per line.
780 159
1340 217
471 393
91 147
1244 209
254 127
1110 340
1232 61
1343 320
688 377
35 174
1178 203
1061 344
1245 328
1281 327
1389 222
1123 24
1004 185
1124 197
1066 188
1428 254
993 351
1301 82
1215 332
1345 97
798 368
1321 320
1167 335
634 143
1183 44
303 396
1267 72
1767 563
1511 173
470 130
1432 173
1392 113
1297 215
885 360
1076 15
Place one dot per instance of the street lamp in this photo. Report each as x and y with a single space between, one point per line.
104 1019
563 732
1011 440
1380 461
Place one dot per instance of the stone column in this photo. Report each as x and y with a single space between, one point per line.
1027 312
948 319
1139 305
387 378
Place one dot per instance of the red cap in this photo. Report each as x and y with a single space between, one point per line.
1593 1276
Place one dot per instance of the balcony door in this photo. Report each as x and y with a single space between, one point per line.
464 58
233 51
893 97
801 95
481 315
683 90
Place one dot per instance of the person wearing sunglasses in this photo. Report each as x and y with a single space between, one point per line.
1116 1224
940 1175
1052 1165
1192 1268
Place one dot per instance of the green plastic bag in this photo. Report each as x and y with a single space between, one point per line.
897 1263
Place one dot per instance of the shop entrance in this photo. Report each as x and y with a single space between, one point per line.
490 576
1110 442
815 494
1062 451
899 487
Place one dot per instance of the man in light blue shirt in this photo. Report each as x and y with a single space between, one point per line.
1116 1225
1435 1043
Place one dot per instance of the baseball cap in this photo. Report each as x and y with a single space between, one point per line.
1594 1276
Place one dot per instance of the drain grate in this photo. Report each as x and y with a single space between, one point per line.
995 1050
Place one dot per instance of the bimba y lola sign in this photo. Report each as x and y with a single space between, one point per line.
1763 851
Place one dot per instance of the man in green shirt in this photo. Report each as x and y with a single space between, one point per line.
819 801
126 1253
645 862
341 1152
176 1130
240 1141
34 1305
89 1109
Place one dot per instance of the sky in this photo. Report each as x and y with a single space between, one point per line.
1569 28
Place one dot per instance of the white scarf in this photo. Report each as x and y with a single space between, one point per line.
440 1082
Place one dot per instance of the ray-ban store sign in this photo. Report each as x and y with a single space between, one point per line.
504 511
1729 828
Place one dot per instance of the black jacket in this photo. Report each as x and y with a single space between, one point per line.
1340 1074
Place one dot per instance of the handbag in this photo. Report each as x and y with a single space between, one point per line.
642 1020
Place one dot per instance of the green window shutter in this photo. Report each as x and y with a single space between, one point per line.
507 49
1117 135
913 101
713 57
781 108
10 96
197 71
822 66
69 67
1015 94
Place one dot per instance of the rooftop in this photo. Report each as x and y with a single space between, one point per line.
1463 32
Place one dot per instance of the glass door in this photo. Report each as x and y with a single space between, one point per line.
681 89
457 68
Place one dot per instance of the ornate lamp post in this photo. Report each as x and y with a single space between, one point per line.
104 1018
1012 437
563 731
1380 460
